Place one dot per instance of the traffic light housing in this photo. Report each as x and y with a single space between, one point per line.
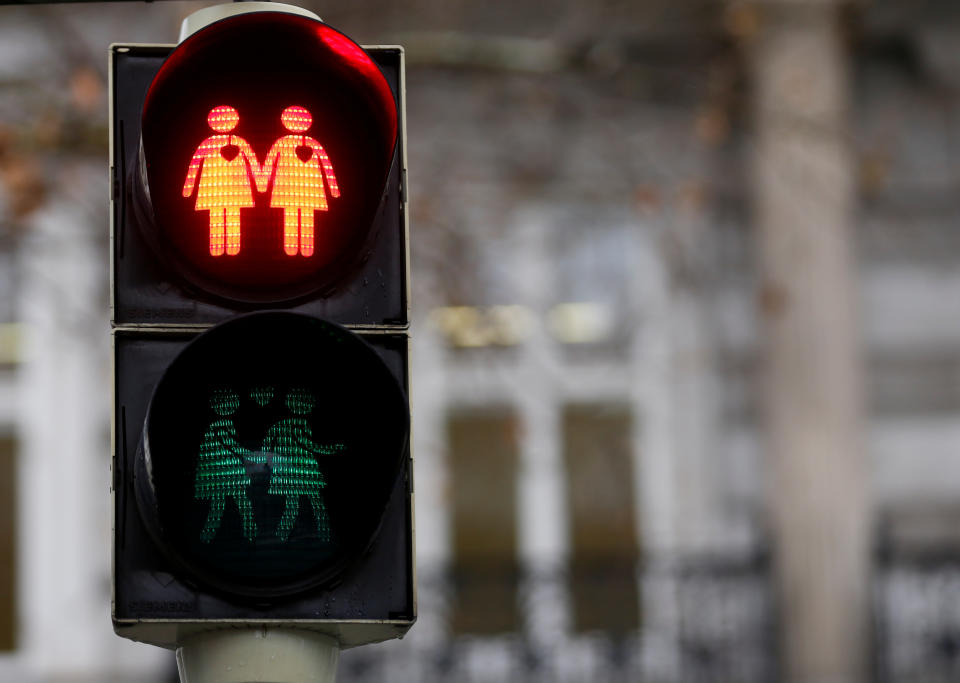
259 301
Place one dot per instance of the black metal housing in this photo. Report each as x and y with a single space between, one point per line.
154 315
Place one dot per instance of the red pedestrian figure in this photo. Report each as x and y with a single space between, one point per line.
227 166
298 164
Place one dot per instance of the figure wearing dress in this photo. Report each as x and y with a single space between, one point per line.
298 166
224 169
221 473
295 472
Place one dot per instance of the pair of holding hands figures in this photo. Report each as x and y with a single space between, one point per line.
224 170
288 448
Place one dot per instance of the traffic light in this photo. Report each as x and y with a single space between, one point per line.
259 297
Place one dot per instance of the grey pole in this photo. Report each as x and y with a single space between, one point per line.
258 656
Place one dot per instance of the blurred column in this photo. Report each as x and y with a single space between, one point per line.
804 198
64 470
543 540
431 485
655 471
693 395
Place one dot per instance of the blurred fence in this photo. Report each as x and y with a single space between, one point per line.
703 622
709 621
917 619
726 622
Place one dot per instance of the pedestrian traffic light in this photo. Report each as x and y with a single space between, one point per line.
259 300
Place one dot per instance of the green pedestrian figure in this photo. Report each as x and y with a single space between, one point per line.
220 468
295 470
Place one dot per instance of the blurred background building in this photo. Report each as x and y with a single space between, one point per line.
686 374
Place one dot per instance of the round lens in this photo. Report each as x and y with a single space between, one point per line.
266 143
271 448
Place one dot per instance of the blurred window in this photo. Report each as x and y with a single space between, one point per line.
594 260
483 448
603 571
8 556
904 384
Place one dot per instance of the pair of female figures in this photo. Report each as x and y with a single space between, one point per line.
288 447
227 169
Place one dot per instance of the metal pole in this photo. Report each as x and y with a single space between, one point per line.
258 656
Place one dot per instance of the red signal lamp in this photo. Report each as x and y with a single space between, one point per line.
266 143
